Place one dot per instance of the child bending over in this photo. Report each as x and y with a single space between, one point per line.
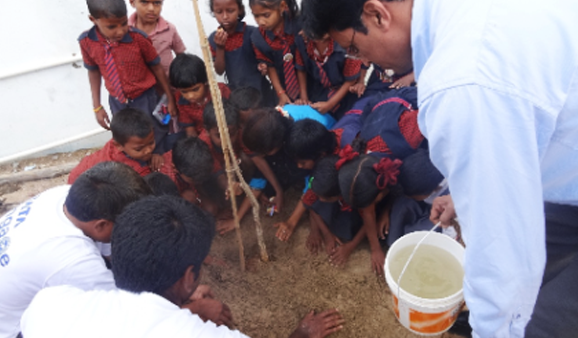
132 143
189 76
108 49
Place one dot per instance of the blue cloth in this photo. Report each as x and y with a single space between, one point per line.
498 98
306 112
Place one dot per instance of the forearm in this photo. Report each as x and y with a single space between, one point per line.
302 79
275 82
340 94
497 195
161 77
220 61
95 80
297 213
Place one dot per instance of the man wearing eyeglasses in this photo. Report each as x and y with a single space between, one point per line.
498 96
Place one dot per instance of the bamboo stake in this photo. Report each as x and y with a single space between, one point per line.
232 167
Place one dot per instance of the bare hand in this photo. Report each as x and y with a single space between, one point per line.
443 210
225 226
284 99
172 108
221 38
211 309
322 107
284 230
358 88
102 118
303 102
341 254
404 81
203 291
319 325
157 162
263 68
377 261
277 201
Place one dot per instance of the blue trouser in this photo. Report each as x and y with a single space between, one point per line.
556 310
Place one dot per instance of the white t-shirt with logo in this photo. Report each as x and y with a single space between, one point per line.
40 247
68 312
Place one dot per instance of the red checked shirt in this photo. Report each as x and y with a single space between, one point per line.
133 57
191 113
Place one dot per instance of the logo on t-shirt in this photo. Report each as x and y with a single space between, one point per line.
15 217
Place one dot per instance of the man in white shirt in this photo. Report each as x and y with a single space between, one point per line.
498 99
159 244
54 238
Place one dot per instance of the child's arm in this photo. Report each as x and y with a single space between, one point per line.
302 79
341 254
159 73
220 40
404 81
359 87
325 106
95 78
265 169
283 97
377 255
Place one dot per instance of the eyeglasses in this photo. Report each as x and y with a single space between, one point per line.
352 50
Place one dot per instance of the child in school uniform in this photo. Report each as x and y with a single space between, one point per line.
127 61
162 33
232 49
274 44
194 173
132 143
325 74
189 76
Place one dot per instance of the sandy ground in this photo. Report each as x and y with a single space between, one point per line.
269 298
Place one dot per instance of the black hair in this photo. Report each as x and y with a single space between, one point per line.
326 178
245 98
418 175
210 118
103 191
130 122
309 140
265 130
156 239
274 4
320 16
239 3
187 70
192 158
358 181
161 184
106 8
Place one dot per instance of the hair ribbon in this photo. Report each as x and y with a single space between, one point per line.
345 155
387 172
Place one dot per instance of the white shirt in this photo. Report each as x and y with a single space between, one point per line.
68 312
498 97
40 247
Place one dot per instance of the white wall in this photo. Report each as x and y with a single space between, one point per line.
40 109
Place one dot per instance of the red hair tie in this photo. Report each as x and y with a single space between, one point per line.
345 155
387 171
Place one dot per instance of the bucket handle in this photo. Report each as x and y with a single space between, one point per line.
411 256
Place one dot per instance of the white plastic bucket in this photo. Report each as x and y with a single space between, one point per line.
426 317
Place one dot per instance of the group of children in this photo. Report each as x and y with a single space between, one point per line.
299 113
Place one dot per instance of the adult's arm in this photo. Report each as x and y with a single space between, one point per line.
486 143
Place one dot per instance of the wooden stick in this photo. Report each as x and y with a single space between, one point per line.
231 164
38 174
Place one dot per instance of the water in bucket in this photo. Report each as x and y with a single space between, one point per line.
433 273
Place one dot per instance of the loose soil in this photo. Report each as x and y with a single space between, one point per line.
270 298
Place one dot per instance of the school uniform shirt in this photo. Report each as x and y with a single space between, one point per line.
498 98
133 57
111 153
269 47
326 70
241 65
191 113
165 39
68 312
40 247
